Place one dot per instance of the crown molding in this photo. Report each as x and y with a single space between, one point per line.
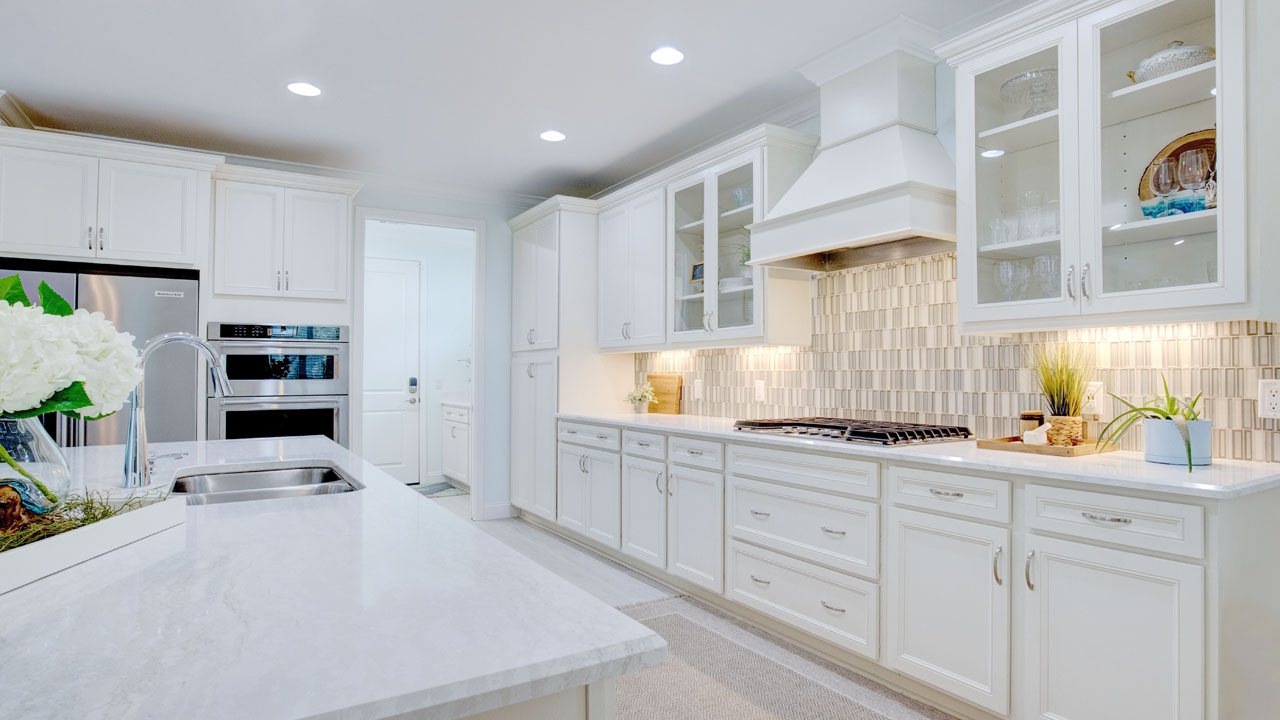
552 204
79 144
901 34
1014 27
12 114
263 176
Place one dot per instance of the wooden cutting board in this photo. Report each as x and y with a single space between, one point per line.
668 389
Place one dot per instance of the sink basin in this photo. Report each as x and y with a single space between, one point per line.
262 485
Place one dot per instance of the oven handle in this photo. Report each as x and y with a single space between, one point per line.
303 401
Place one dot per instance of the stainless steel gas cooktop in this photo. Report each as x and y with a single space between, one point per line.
875 432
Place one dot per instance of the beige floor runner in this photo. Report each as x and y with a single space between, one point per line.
718 668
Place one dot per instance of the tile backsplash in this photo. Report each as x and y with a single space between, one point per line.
886 346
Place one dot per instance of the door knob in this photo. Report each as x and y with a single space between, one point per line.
413 401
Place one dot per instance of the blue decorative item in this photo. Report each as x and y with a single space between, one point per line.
1154 208
1187 202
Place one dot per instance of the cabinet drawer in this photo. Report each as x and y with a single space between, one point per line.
840 532
967 495
1147 524
831 605
698 453
644 444
457 414
605 438
822 472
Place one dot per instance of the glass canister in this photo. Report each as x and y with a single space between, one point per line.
33 464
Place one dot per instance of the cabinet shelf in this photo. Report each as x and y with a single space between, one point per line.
1031 247
1164 93
694 296
1021 135
737 290
1196 223
687 227
736 219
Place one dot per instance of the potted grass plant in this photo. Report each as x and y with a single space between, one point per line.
1172 430
1062 374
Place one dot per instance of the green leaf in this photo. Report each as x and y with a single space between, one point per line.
11 291
72 397
53 303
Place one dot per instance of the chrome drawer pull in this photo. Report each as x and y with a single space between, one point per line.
830 607
640 443
995 564
1027 570
760 513
762 581
570 432
657 482
946 493
602 437
841 533
695 453
1106 519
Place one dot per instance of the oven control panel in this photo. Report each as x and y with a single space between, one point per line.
242 331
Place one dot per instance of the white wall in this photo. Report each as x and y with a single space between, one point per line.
447 257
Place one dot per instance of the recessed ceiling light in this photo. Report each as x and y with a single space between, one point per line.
666 55
304 89
992 153
552 135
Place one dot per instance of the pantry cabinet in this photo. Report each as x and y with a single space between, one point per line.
535 278
281 234
533 433
93 201
1061 217
632 273
1110 635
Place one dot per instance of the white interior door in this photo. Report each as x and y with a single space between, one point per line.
392 327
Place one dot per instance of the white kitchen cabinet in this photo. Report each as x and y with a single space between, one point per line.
604 498
1110 635
281 234
533 433
73 204
573 485
695 526
632 273
947 614
1051 226
644 510
535 292
455 450
48 202
147 212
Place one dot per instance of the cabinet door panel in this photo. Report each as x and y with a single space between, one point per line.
48 202
522 288
647 264
546 269
248 242
462 453
316 244
573 488
644 510
604 499
522 437
947 616
695 526
1112 635
543 428
146 212
614 309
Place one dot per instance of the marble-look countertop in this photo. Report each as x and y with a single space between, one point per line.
1224 479
364 604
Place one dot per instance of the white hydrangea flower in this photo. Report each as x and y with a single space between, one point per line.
37 357
108 361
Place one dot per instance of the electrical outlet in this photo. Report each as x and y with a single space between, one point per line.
1269 398
1094 395
759 391
697 389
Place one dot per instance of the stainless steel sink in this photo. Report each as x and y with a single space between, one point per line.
262 485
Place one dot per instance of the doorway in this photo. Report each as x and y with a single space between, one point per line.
416 334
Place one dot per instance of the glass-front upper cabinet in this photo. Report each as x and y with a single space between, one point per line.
1013 212
1156 194
715 290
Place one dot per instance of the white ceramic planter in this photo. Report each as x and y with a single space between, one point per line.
46 557
1164 444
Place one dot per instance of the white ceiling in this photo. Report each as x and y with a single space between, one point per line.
444 92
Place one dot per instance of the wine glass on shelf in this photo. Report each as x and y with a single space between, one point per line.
1045 269
1193 173
1012 277
1164 180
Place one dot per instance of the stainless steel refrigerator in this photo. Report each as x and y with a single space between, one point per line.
145 307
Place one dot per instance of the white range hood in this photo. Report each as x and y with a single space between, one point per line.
880 175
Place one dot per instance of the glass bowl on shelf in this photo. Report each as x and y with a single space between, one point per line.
1178 56
1038 87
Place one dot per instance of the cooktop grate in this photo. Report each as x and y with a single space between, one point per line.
878 432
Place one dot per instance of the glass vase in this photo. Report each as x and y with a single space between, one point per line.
34 463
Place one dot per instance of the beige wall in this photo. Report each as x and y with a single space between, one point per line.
886 347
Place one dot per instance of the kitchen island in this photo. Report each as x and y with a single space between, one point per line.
364 604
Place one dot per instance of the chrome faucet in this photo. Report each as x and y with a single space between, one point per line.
137 465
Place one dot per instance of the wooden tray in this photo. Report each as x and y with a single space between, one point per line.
1015 444
668 389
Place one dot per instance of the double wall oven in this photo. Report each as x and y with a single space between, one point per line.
286 379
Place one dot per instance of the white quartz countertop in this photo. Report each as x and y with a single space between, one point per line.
1224 479
364 604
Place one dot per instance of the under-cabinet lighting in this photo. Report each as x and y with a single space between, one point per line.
1180 241
304 89
666 55
552 135
992 153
